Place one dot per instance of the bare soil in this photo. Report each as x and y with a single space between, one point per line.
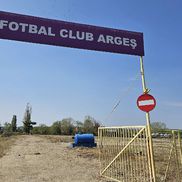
5 144
48 159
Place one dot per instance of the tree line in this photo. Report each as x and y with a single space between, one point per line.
66 126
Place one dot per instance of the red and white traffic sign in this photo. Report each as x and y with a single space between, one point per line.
146 102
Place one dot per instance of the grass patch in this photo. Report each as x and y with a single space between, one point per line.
58 138
83 152
5 144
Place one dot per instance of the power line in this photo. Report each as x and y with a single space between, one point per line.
128 90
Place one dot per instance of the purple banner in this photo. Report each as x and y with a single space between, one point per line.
60 33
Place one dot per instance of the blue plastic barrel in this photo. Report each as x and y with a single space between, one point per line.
84 140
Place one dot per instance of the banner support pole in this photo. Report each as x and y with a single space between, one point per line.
146 90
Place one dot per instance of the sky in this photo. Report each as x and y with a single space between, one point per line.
63 82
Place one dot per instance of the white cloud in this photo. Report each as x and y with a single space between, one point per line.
173 104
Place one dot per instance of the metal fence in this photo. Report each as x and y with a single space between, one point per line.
125 155
168 156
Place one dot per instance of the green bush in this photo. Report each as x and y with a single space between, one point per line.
42 130
7 130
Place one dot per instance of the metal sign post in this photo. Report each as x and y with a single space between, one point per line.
149 140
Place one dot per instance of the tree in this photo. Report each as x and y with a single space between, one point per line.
56 128
157 126
1 129
79 127
42 129
7 131
90 125
27 119
96 126
67 127
7 127
13 123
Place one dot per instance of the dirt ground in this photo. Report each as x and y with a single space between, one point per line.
38 159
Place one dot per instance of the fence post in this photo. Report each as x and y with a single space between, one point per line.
176 155
180 147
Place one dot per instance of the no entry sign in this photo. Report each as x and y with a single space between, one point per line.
146 102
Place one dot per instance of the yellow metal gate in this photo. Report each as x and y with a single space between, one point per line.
125 154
